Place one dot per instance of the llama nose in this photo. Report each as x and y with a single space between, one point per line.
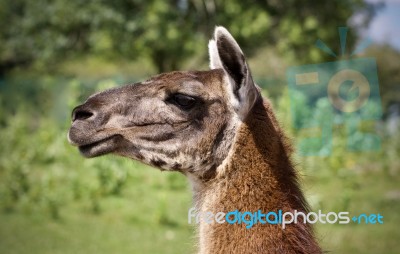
80 113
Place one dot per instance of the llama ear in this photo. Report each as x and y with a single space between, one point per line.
226 54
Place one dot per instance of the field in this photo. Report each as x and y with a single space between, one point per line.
54 201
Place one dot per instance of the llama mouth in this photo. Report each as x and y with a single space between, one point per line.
100 147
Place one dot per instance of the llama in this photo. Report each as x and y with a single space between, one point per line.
215 128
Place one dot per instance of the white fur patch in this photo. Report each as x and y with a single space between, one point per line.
234 123
215 61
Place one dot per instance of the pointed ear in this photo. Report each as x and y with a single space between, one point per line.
226 54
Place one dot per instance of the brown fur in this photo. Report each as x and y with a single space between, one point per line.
258 176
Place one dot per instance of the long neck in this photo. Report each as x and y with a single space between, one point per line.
257 175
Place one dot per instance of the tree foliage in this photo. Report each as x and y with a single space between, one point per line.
166 32
388 62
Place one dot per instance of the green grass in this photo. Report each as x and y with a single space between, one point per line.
85 233
148 217
364 192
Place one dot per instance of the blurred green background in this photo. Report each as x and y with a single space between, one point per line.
53 54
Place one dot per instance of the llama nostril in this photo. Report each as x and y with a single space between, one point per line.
81 114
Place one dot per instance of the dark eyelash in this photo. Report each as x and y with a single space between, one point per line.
183 101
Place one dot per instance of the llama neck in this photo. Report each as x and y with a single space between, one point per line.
257 165
257 175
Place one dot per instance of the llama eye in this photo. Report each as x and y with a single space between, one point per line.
184 101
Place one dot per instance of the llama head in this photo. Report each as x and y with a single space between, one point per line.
183 121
